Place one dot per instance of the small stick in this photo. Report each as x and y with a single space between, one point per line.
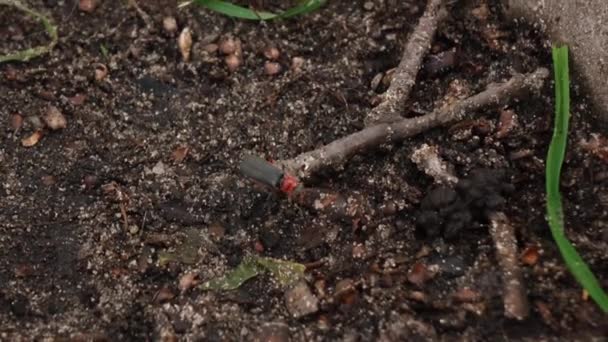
514 292
503 234
144 16
339 151
404 78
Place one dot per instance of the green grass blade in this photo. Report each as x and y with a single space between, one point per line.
236 11
27 54
555 158
304 7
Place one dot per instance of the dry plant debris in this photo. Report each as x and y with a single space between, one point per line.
404 76
339 151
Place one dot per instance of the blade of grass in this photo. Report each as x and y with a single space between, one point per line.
236 11
27 54
555 157
304 7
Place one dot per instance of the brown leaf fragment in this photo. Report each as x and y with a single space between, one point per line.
179 154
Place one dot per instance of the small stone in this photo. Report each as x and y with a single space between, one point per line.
368 5
297 63
300 301
272 53
87 6
272 68
54 119
133 229
170 24
232 62
159 168
228 46
101 72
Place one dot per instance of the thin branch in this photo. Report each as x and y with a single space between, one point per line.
514 292
503 234
404 78
339 151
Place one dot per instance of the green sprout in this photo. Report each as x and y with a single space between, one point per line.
27 54
236 11
555 157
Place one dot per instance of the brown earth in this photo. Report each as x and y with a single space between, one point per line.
71 266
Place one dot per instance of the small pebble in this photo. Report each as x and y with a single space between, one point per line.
170 24
228 46
87 6
297 63
54 119
300 301
101 71
272 53
232 62
272 68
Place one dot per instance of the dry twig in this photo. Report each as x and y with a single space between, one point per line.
514 292
404 78
503 234
339 151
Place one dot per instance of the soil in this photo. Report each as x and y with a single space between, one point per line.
89 213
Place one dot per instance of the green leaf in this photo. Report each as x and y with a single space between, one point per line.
555 157
246 270
285 272
27 54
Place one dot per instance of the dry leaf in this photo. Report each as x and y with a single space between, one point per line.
179 154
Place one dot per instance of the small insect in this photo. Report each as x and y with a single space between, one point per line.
266 173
